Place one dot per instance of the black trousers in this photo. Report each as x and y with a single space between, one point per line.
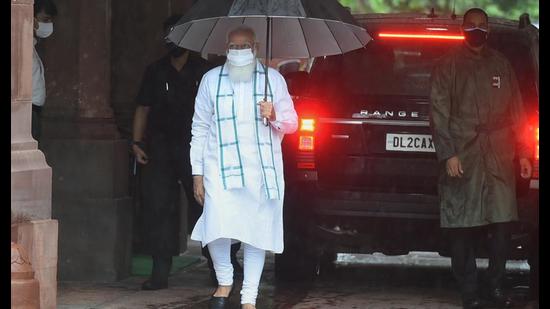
161 269
168 168
463 244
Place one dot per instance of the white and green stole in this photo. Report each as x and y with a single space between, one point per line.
230 160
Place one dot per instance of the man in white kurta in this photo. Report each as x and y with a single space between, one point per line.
237 163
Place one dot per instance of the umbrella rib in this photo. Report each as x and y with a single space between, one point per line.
209 34
185 33
305 38
357 38
334 37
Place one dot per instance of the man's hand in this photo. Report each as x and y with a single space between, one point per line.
141 156
198 189
526 168
267 110
454 167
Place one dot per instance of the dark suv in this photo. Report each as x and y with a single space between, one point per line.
361 171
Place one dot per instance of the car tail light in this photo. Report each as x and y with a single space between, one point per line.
309 111
536 155
306 140
532 137
307 125
537 145
306 143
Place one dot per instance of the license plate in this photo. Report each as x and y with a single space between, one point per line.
409 142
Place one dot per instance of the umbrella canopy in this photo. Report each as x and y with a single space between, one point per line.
298 28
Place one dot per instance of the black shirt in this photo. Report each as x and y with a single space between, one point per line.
171 97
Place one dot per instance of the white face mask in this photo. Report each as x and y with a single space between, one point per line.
44 30
240 57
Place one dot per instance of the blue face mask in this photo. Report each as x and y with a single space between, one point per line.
476 37
44 30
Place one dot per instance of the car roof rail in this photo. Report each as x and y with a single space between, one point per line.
453 14
432 13
524 20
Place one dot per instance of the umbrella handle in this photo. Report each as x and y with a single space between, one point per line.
267 58
265 120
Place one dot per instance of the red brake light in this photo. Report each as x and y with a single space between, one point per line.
420 36
307 125
306 143
533 137
537 145
308 110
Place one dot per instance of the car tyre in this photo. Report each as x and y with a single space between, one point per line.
533 261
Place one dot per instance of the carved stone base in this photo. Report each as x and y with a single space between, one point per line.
39 240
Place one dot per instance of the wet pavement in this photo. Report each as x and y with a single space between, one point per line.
418 280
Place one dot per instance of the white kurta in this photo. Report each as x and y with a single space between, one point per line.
243 214
38 83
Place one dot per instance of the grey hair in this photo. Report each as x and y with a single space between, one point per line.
241 29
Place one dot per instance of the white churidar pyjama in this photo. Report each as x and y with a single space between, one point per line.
254 260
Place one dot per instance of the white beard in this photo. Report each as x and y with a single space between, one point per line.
241 74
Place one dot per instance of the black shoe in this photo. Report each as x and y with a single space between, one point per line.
498 298
148 285
219 302
472 304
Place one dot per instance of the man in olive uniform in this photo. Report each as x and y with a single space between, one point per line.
477 120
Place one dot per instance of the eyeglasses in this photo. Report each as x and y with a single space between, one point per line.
240 46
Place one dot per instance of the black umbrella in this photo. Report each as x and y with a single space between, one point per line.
287 28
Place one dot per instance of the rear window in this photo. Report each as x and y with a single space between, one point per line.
382 68
403 66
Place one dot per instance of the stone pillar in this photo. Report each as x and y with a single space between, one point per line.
82 143
30 175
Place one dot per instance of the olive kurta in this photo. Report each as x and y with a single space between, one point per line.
476 114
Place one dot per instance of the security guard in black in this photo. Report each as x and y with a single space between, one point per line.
161 137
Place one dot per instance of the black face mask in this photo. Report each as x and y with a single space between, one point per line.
175 51
475 37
